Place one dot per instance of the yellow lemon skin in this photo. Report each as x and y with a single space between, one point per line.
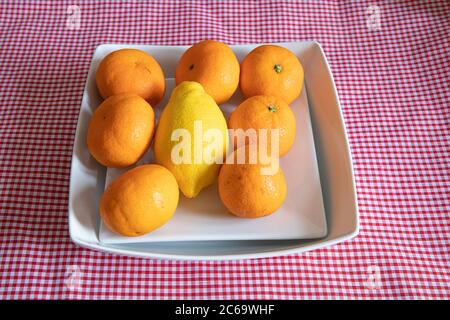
188 108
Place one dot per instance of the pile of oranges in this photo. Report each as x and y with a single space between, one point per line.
121 130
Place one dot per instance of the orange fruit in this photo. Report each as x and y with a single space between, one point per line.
271 70
265 112
248 193
140 200
120 130
131 71
214 65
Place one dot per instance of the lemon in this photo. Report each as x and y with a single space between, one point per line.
192 138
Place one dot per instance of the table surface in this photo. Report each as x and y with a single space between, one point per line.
391 67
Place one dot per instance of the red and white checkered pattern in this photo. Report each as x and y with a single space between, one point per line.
393 81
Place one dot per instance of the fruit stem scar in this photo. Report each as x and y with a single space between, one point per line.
191 67
278 68
272 108
139 64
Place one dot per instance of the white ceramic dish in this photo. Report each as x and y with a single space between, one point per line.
317 108
302 215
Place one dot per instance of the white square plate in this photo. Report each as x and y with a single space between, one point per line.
201 228
302 215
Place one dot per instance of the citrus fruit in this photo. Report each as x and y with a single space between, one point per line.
246 191
131 71
192 138
212 64
266 112
271 70
140 200
120 130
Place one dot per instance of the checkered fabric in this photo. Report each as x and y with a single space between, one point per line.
391 65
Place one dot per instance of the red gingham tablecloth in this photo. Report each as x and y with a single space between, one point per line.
391 65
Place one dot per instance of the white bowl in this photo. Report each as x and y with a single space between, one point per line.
298 230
